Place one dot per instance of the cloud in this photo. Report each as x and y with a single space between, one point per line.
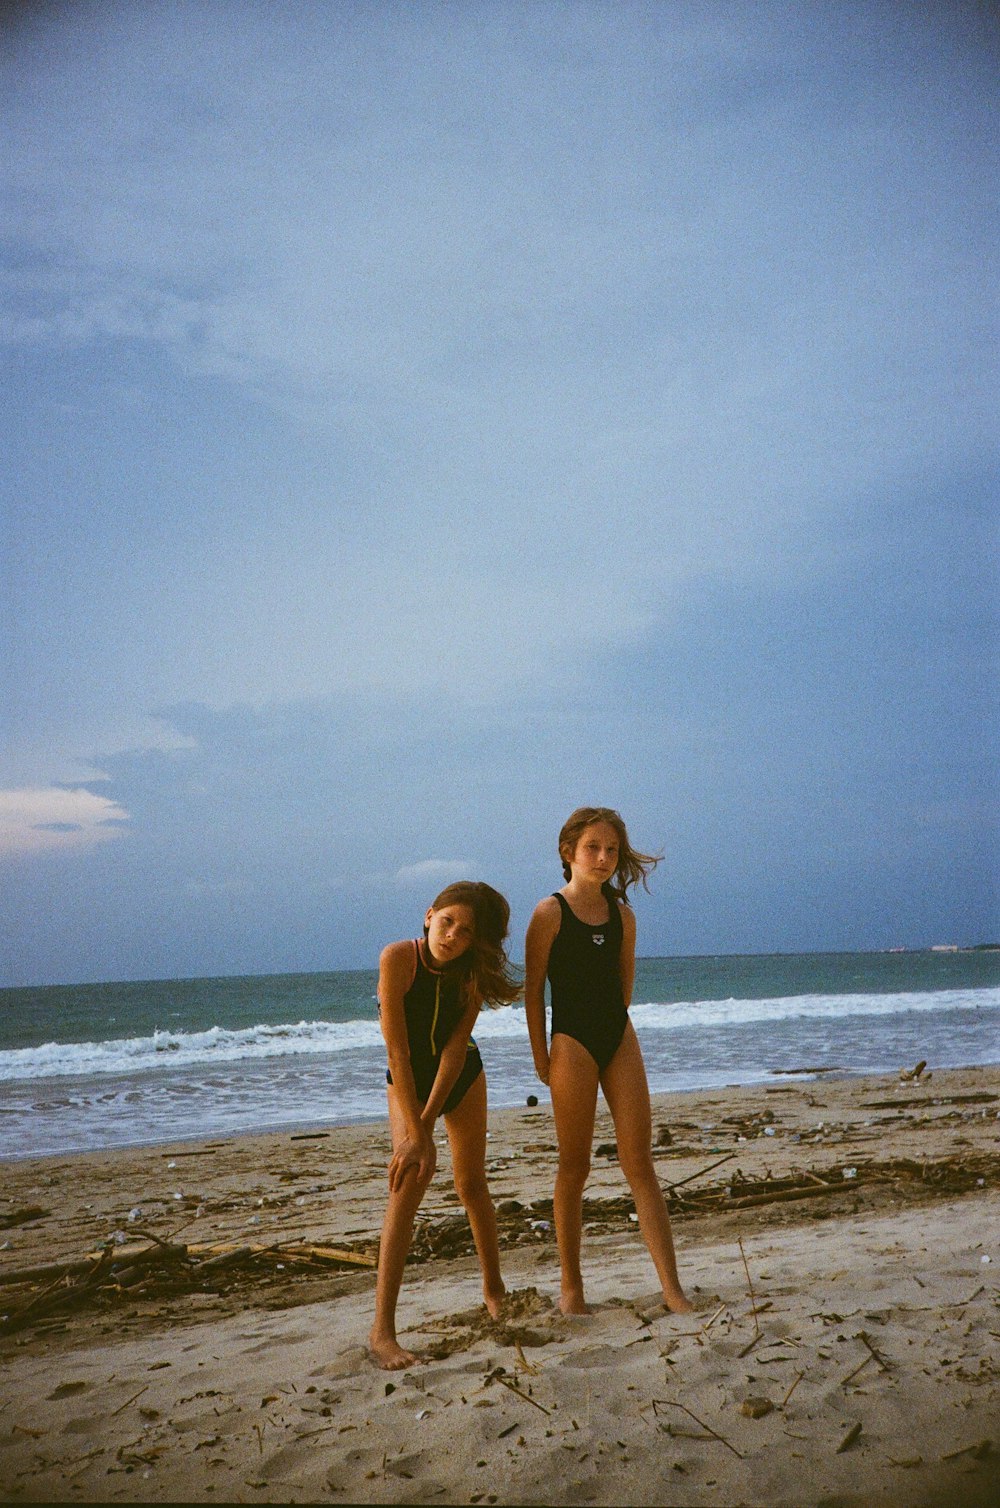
38 820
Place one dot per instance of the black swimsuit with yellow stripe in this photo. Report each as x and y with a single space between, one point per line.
433 1007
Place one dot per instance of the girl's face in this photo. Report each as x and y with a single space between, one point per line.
450 932
595 857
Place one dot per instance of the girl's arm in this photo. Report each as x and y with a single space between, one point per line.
542 931
626 959
395 975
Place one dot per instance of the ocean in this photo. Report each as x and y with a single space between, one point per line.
103 1065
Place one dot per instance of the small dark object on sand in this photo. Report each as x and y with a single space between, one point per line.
532 1100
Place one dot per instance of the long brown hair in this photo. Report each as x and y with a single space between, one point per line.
632 865
488 969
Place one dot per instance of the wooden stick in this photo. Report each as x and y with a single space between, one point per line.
525 1396
753 1301
134 1396
708 1323
669 1403
173 1250
791 1390
746 1201
880 1359
845 1380
849 1438
701 1172
980 1448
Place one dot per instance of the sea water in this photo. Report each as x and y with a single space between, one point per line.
93 1066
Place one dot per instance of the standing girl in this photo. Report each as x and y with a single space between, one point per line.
430 991
583 939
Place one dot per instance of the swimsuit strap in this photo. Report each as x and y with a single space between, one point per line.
567 910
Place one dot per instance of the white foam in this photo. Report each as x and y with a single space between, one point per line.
166 1049
217 1045
658 1016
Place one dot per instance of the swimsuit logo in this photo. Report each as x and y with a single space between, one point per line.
598 938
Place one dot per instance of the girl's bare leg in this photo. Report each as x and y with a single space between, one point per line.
573 1084
397 1233
466 1126
626 1090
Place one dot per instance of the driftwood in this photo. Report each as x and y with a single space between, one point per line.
449 1236
22 1216
164 1266
169 1267
137 1252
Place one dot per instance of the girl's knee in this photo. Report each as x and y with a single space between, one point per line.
414 1187
639 1169
471 1188
574 1167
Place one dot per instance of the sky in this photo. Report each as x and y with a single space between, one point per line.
422 419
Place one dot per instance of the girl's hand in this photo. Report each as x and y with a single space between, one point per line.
415 1152
542 1070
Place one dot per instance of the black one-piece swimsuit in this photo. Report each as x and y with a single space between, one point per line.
433 1009
585 982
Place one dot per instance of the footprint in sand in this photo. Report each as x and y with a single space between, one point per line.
67 1390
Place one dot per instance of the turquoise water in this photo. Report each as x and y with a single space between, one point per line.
111 1064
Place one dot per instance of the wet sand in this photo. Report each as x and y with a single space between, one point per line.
840 1239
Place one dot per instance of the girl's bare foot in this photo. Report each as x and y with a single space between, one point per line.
571 1301
387 1353
677 1301
494 1301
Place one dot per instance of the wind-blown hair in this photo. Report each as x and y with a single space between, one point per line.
485 963
632 865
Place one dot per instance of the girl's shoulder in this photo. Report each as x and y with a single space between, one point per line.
398 955
628 917
548 909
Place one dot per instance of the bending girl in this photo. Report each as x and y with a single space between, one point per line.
430 991
583 939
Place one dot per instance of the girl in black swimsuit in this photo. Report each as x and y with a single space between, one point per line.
582 939
430 992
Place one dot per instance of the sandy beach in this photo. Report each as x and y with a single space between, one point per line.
187 1322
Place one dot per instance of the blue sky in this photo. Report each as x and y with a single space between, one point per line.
422 419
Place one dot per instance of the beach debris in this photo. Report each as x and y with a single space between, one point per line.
849 1438
160 1267
143 1265
681 1182
500 1374
756 1408
979 1451
753 1300
531 1101
905 1074
865 1340
979 1097
821 1068
22 1216
667 1403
